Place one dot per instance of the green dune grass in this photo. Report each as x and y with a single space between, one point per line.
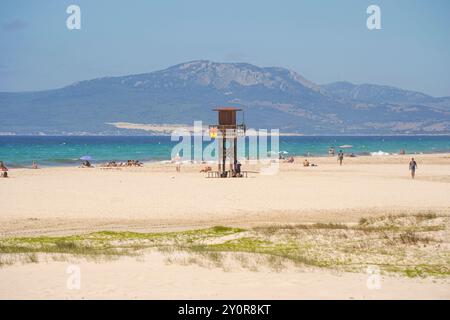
410 245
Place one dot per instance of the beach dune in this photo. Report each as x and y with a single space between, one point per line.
153 278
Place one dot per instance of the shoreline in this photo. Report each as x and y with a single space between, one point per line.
65 151
374 154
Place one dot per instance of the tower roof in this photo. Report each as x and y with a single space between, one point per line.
227 109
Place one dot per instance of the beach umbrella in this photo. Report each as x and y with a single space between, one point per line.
86 158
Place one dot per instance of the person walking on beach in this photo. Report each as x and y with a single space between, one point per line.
340 157
412 167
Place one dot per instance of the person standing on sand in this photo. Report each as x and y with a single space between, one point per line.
412 167
340 157
177 161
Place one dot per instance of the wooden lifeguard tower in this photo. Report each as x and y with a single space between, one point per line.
227 131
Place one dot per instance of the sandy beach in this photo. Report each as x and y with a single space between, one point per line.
155 198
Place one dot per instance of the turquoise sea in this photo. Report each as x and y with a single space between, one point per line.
20 151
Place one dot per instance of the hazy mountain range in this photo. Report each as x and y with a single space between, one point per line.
271 97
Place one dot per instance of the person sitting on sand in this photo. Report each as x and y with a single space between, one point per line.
306 163
34 165
237 169
206 169
3 170
87 164
111 164
290 160
413 167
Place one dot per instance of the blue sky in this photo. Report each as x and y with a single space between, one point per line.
324 40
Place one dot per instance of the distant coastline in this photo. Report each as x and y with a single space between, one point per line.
165 130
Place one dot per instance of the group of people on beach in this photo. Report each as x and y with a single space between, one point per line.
237 166
129 163
340 158
4 169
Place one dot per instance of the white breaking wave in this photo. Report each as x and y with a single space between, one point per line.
379 153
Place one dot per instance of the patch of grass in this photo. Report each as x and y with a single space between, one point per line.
401 223
216 258
411 237
65 245
420 270
363 221
108 243
292 251
217 231
16 246
392 218
276 263
31 258
6 261
404 244
425 216
412 273
242 245
273 229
